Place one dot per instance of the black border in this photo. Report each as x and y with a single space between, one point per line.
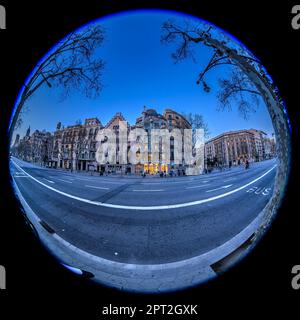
36 284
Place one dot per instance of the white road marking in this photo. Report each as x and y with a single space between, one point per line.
161 182
95 187
19 173
224 187
153 190
67 176
259 190
173 182
83 179
100 180
19 176
108 181
64 180
162 207
49 180
201 186
267 191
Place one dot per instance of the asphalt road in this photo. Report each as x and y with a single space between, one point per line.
146 220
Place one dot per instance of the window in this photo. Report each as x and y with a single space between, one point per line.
172 142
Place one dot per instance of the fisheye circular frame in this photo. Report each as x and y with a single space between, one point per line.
185 273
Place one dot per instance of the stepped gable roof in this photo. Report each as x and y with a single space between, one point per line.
119 116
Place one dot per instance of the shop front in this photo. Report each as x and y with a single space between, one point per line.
154 168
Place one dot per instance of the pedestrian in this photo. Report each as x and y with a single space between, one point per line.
247 164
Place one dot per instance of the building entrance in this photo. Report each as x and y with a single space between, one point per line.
154 168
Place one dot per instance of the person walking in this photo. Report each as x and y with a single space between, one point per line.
247 164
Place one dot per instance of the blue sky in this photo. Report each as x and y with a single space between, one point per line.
139 72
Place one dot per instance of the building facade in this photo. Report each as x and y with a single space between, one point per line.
149 120
235 147
120 166
75 147
35 148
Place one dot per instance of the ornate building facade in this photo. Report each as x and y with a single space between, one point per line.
169 120
121 165
75 147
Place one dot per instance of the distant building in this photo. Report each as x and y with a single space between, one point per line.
41 147
235 147
35 148
270 148
74 147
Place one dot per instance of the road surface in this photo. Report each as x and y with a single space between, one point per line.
146 220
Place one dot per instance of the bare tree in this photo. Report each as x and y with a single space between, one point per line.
238 87
225 51
197 122
70 65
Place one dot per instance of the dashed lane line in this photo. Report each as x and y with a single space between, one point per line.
223 187
144 190
92 180
161 207
50 181
201 186
231 179
63 180
95 187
